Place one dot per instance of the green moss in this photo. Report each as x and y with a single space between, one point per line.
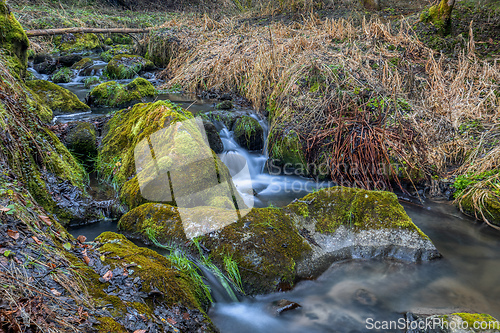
109 325
84 63
156 271
116 50
265 243
356 209
126 66
439 15
13 40
64 75
285 147
114 94
38 107
81 141
248 133
471 318
59 99
126 129
79 43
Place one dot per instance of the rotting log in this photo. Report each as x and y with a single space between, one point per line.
62 31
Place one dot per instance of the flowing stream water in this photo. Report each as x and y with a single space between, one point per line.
350 292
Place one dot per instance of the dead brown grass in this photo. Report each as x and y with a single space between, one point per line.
297 71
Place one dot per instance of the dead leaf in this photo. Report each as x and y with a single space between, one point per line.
107 276
4 209
171 321
185 316
51 265
81 238
13 234
36 240
45 219
140 331
86 259
55 292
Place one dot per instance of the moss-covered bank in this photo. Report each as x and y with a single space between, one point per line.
13 40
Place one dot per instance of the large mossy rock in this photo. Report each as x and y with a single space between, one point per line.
183 162
13 40
248 133
81 140
276 247
82 64
164 288
59 99
114 94
126 66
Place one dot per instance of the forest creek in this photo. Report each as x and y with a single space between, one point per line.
250 166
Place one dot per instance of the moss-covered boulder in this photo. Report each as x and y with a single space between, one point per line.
114 94
64 75
13 41
181 160
275 247
460 322
81 140
126 66
163 287
116 50
223 118
82 64
75 43
59 99
248 133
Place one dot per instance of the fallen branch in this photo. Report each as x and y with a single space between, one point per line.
62 31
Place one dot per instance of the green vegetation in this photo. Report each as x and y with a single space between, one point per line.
84 63
59 99
64 75
114 94
13 41
116 50
125 66
76 43
248 133
91 81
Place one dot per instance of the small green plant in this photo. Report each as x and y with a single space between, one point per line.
233 272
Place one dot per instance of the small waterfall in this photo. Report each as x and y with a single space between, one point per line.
265 188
